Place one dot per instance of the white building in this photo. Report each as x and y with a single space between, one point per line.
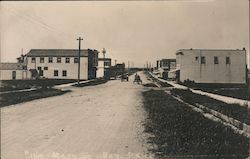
62 63
13 71
165 68
104 65
211 66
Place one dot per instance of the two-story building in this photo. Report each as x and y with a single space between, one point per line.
63 63
165 67
103 70
210 66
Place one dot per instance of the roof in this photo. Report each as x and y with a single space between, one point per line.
180 50
168 60
58 53
11 66
102 59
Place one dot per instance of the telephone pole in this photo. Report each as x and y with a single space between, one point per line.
248 61
79 52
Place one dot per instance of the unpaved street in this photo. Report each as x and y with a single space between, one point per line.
95 120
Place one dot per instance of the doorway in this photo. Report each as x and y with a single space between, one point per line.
13 75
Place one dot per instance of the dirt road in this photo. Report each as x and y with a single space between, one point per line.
96 121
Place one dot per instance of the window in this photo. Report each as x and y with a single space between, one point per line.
216 60
196 58
41 59
203 60
33 60
55 72
228 60
75 60
59 59
67 60
50 59
64 73
45 68
39 68
107 63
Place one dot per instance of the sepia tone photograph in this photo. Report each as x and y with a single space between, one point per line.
163 79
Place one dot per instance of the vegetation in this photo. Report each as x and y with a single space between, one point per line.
230 90
10 85
149 85
232 110
162 84
240 93
179 132
18 97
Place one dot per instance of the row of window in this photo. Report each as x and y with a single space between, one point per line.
58 60
56 73
44 68
216 60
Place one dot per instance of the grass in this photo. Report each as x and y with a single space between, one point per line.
178 131
162 84
232 110
240 93
10 85
149 85
19 97
230 90
44 90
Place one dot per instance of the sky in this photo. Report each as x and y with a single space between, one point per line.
134 31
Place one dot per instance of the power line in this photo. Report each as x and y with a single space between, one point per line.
34 20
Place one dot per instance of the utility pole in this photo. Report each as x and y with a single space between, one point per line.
104 52
79 52
115 61
248 80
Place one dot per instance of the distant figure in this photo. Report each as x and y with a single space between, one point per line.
137 79
127 76
136 75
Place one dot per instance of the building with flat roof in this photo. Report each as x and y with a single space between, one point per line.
165 67
211 66
103 69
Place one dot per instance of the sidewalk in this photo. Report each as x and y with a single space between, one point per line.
56 87
70 84
229 100
22 90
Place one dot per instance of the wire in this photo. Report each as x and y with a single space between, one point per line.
37 21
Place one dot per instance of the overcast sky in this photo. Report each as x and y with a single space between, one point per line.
137 31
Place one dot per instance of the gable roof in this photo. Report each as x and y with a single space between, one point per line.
58 53
12 66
